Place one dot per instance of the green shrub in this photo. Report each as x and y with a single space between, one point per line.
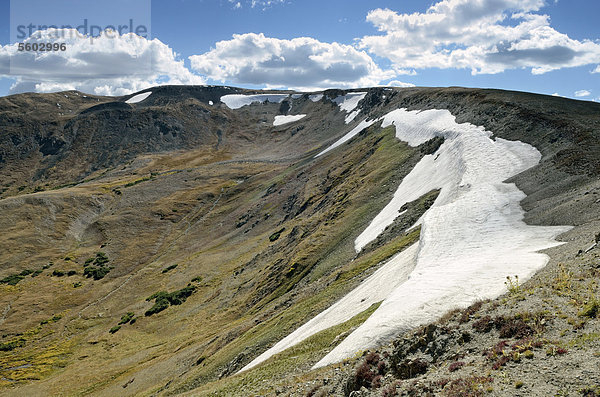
58 273
157 296
126 318
13 279
180 296
197 279
114 329
101 259
96 267
8 346
96 272
158 307
71 273
167 269
163 299
36 273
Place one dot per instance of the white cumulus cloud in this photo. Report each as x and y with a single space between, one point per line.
582 93
396 83
485 36
299 63
110 64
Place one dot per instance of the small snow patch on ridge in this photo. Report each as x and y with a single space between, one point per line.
236 101
316 98
139 97
281 120
349 101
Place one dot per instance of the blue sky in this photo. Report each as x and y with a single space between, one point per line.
529 45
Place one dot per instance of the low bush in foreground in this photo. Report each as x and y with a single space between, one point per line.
591 310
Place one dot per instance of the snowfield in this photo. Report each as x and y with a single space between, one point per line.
139 97
236 101
374 289
316 97
348 103
351 116
472 237
281 120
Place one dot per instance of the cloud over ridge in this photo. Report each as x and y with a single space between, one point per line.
301 63
486 36
111 64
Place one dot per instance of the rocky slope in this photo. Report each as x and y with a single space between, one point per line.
157 247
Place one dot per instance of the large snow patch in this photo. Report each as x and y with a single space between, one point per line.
472 237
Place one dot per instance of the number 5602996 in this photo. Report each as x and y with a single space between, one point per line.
42 47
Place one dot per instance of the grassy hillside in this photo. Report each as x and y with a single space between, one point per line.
265 246
158 248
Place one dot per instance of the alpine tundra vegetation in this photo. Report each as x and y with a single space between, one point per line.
213 240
